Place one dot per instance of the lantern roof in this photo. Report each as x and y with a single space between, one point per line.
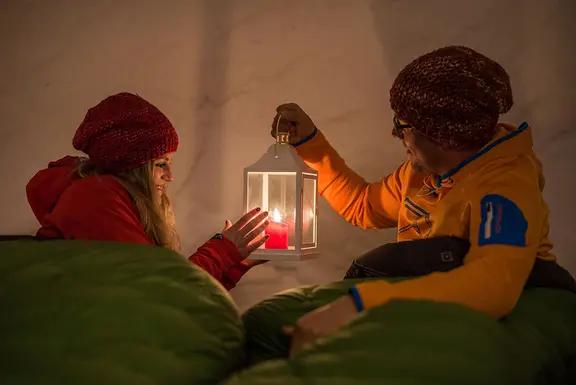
281 158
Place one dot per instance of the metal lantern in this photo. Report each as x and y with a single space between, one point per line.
281 183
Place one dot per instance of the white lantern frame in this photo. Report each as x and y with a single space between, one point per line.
282 159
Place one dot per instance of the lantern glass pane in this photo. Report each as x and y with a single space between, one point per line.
309 217
275 192
254 191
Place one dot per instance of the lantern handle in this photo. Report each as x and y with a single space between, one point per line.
281 137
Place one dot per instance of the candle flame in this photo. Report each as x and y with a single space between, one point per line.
276 217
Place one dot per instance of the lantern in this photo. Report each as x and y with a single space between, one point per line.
281 183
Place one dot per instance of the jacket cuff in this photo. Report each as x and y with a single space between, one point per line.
226 250
314 148
370 294
355 294
231 277
306 139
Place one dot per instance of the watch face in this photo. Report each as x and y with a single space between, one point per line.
218 236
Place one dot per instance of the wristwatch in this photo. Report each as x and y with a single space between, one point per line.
218 236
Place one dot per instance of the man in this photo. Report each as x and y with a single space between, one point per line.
467 176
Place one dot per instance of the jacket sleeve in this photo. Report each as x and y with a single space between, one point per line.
102 210
507 215
363 204
221 259
231 277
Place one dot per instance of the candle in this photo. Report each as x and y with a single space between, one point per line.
277 232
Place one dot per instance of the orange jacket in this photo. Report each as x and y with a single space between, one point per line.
494 199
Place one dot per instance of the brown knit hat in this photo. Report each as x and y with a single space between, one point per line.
123 132
453 95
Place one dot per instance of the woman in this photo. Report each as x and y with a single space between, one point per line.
118 193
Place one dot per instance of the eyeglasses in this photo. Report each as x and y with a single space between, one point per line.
398 130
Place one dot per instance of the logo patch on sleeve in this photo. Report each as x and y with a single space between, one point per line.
502 222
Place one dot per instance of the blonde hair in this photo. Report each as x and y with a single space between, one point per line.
156 214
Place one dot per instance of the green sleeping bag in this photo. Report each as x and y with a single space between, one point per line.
416 342
73 312
78 313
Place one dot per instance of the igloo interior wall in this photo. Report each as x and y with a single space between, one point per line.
218 69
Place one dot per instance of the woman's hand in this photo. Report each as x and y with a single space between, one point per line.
248 233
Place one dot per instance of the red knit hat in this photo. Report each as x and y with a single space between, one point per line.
453 95
123 132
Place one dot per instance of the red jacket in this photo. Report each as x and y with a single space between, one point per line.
99 208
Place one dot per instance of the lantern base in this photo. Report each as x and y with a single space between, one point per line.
284 255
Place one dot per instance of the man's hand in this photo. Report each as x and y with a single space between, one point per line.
293 120
321 322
